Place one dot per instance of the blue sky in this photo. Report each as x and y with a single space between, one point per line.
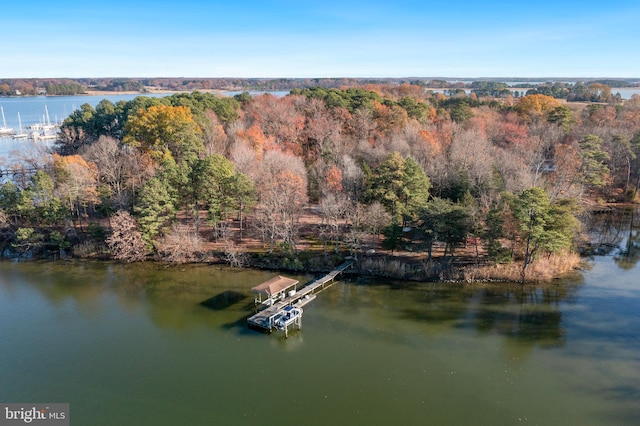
329 38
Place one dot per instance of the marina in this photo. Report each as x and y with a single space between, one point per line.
279 302
42 130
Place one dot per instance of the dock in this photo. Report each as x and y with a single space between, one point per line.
287 302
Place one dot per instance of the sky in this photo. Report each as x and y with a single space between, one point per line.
328 38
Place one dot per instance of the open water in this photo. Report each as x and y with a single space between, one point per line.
154 345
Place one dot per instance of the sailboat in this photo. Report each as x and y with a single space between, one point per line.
44 130
20 134
4 130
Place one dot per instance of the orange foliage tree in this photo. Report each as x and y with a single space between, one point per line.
533 107
256 139
76 182
165 131
279 119
564 179
282 191
333 178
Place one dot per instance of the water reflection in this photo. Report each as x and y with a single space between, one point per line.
565 352
194 297
616 234
629 253
528 315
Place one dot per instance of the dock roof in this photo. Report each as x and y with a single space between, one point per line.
275 285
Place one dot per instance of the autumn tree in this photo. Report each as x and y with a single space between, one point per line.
564 179
282 194
353 178
77 183
279 119
469 166
126 242
533 107
389 118
254 138
214 135
620 162
321 130
334 207
180 245
121 171
165 131
333 178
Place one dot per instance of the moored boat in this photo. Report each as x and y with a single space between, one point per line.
4 130
20 134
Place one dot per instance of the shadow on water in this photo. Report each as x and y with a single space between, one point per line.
223 300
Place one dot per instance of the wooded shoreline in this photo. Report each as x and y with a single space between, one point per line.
415 185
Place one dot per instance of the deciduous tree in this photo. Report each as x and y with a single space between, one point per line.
126 242
532 107
165 131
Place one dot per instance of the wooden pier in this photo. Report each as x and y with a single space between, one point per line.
270 318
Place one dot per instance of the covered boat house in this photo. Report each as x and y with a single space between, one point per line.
273 290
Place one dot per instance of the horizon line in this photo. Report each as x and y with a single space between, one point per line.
338 77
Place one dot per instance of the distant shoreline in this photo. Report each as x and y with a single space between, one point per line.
131 92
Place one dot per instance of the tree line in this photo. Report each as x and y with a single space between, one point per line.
380 165
583 90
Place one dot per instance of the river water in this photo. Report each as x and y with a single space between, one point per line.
154 345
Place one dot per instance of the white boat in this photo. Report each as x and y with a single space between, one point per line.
20 134
287 316
45 130
4 130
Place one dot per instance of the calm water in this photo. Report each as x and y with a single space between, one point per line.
149 345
